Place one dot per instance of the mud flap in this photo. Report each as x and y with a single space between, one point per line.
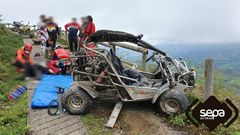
114 115
87 87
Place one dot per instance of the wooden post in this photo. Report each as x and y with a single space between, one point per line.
114 115
144 58
208 78
144 64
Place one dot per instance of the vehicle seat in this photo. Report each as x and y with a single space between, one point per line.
131 73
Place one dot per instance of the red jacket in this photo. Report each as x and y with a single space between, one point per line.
90 29
60 54
72 28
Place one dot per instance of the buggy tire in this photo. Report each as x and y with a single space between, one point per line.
78 106
173 102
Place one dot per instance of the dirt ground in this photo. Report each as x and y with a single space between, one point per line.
135 118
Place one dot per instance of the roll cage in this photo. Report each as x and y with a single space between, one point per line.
114 78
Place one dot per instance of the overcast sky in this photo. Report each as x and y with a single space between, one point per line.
161 21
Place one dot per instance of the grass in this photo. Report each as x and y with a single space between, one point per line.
178 120
13 114
95 125
13 117
62 41
181 122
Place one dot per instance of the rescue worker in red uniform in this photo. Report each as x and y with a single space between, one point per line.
58 54
23 57
88 29
24 63
73 28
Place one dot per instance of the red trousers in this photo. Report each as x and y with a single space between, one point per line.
52 65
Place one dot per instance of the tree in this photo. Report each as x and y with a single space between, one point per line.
1 19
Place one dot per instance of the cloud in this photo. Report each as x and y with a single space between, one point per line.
161 21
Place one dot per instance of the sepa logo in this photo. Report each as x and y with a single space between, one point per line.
212 112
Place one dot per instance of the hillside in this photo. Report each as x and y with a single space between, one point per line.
222 94
12 114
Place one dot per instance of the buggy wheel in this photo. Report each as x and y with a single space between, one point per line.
76 101
173 102
53 107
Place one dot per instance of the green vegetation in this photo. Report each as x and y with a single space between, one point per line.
95 125
13 114
62 41
178 120
181 121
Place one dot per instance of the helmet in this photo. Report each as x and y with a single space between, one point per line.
58 47
27 48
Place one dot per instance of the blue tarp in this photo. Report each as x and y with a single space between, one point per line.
46 90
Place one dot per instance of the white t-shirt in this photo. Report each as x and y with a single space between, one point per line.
40 25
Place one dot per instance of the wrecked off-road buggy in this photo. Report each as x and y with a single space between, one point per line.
100 71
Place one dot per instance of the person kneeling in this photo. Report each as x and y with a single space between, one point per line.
60 61
23 57
24 63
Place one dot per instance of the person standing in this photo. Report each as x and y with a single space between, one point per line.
42 21
42 29
73 28
88 30
90 27
53 31
42 32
